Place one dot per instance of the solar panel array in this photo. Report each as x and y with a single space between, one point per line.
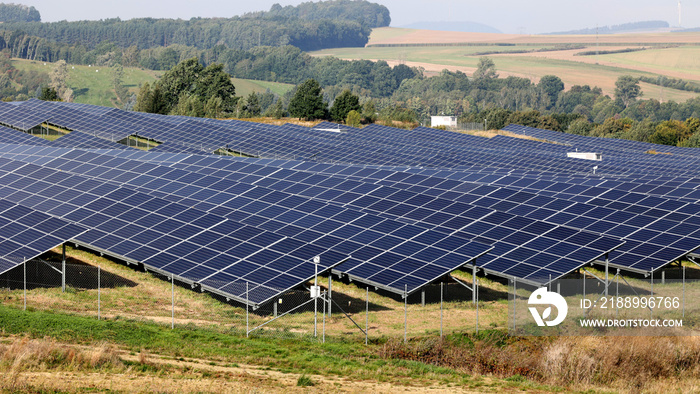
248 201
27 233
393 208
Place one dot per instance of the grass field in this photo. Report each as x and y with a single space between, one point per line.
93 85
602 70
58 344
246 86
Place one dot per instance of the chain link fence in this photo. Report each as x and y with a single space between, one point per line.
348 312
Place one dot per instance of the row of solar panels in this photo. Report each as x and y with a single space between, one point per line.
372 145
382 249
393 227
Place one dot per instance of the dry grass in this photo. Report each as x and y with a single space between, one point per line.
629 364
654 152
136 295
280 121
493 133
394 36
23 355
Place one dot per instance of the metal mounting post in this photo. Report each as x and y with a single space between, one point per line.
63 269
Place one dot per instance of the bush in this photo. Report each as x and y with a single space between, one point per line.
305 381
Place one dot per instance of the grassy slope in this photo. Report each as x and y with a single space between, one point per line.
93 85
245 86
354 361
574 70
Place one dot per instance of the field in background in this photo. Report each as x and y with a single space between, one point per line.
246 86
93 85
674 55
402 36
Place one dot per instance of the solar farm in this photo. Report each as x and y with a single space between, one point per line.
241 210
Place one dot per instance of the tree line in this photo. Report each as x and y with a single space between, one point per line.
18 13
202 33
368 14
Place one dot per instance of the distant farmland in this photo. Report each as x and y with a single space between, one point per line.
674 55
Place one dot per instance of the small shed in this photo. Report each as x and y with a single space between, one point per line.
447 121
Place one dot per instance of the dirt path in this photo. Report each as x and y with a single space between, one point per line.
195 375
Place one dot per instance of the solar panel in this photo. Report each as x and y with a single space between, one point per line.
532 181
165 237
77 139
26 233
256 205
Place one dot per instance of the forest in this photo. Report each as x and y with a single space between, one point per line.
309 26
18 13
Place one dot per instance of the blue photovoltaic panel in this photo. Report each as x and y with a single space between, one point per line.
255 206
26 233
167 237
535 181
77 139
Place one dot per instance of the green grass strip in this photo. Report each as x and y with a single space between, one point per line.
298 356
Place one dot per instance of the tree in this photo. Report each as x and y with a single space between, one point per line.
551 85
143 98
580 126
180 79
343 104
151 100
692 142
276 110
252 104
214 107
58 76
307 102
188 105
369 112
49 94
670 132
186 83
215 82
353 119
118 84
485 69
627 89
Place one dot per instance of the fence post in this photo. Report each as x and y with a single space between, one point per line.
25 283
617 292
476 284
515 300
323 338
315 292
99 271
172 291
684 291
366 315
246 310
330 291
441 309
405 311
63 269
651 310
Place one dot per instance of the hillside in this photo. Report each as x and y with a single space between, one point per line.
673 55
93 85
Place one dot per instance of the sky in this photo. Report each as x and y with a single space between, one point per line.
508 16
